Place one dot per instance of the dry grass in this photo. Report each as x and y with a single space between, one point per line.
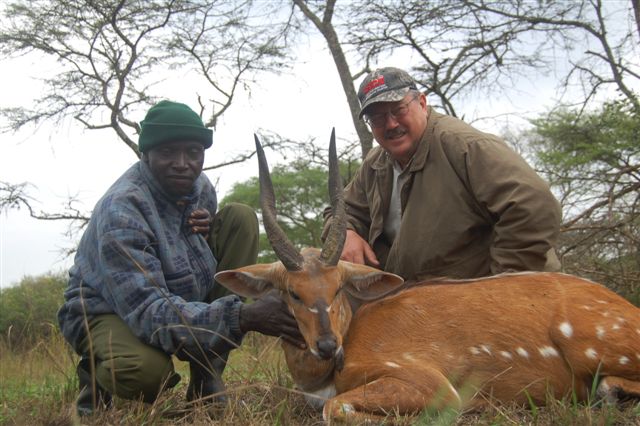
38 387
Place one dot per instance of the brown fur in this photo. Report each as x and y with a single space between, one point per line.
514 337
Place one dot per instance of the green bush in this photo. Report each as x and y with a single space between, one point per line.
28 310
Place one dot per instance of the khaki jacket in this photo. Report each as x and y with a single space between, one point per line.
471 207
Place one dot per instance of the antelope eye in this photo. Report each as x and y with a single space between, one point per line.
294 296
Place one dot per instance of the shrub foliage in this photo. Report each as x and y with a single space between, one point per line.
28 310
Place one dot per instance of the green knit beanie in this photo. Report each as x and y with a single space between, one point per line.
172 121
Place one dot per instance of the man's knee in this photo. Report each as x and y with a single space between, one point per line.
238 216
140 375
234 236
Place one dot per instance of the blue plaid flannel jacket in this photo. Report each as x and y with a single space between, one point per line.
139 259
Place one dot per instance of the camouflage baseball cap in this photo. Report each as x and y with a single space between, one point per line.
384 85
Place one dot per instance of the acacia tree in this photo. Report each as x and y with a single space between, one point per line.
469 48
594 160
113 55
481 46
605 28
453 51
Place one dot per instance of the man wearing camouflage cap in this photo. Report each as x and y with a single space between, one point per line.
440 198
141 288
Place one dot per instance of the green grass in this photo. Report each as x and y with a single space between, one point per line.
38 387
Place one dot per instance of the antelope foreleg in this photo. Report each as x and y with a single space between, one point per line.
614 389
391 395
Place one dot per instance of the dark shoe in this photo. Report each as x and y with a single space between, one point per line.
172 381
87 403
206 386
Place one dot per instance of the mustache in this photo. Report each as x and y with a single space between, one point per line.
391 133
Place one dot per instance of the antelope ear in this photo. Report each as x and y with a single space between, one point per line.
366 283
249 281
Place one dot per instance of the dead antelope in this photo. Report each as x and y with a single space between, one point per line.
515 337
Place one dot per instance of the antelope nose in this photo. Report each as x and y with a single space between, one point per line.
326 346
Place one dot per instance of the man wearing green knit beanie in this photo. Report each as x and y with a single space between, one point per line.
141 289
169 121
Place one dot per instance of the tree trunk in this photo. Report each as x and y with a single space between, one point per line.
328 32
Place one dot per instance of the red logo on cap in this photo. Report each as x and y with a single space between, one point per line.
373 84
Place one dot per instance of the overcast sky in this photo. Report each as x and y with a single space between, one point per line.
66 161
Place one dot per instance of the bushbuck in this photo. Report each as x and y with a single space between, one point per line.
377 345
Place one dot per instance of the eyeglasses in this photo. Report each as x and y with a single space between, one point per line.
380 119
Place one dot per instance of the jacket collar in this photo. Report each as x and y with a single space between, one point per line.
420 157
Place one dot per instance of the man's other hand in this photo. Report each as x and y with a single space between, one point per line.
200 222
357 250
270 315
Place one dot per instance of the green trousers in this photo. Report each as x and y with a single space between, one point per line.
131 369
